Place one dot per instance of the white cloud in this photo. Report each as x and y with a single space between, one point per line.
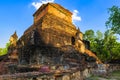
38 4
75 16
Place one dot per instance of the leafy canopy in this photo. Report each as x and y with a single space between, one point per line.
114 19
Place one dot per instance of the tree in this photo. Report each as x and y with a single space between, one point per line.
95 40
106 47
89 35
99 45
114 19
103 46
99 35
116 51
3 51
110 42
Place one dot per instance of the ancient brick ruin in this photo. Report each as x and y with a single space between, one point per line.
51 41
52 35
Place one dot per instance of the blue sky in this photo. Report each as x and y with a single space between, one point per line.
16 15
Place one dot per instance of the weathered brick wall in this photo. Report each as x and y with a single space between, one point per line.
113 67
57 31
37 76
105 69
54 9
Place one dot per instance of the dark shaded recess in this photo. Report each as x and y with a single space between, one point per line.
89 58
114 61
73 40
2 57
87 44
26 69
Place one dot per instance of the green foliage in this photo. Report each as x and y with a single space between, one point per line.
110 42
105 45
113 24
89 35
3 51
114 19
99 35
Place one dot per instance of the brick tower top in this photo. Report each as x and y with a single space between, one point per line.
54 9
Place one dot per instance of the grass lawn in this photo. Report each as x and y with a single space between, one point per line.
112 76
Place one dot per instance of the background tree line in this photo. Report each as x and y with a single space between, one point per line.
106 45
3 51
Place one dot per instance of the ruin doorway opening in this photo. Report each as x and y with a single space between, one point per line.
73 40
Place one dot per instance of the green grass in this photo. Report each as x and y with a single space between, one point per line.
112 76
116 75
92 78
